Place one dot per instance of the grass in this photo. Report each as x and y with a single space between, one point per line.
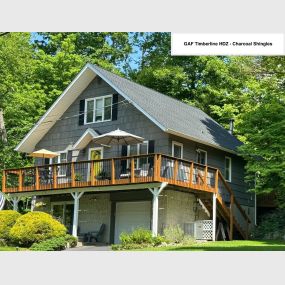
11 248
236 245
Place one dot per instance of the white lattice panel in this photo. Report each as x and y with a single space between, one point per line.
203 229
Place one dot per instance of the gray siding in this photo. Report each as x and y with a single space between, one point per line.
216 158
67 131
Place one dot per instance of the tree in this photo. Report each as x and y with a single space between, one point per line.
62 55
264 129
21 98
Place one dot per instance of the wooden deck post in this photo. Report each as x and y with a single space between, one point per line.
158 166
155 172
112 171
37 178
217 181
232 217
54 176
92 177
72 175
206 178
20 182
3 181
132 170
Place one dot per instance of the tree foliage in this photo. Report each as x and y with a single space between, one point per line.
36 68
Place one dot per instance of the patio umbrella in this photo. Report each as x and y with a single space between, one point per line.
43 153
118 137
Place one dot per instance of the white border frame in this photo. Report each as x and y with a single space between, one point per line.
177 144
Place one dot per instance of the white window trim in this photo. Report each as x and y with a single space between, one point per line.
51 162
128 152
95 148
178 144
94 109
206 155
230 168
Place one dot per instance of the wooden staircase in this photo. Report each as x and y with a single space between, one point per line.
228 211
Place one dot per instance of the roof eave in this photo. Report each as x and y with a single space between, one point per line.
170 131
19 147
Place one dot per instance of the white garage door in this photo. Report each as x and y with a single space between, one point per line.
131 215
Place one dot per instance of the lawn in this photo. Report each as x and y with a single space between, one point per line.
11 248
236 245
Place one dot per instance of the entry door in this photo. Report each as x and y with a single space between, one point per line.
130 216
95 154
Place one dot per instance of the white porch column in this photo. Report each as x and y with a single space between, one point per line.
155 192
15 201
33 203
214 216
76 196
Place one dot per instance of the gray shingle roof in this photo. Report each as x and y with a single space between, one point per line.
173 114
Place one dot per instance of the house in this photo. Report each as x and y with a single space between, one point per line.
186 169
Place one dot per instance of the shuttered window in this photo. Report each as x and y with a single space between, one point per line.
98 109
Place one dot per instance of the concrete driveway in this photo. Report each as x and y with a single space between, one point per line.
92 247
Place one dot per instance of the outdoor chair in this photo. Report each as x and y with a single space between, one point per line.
46 176
96 235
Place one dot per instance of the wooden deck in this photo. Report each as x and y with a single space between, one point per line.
127 171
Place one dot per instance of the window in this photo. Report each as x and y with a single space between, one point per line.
62 158
98 109
201 156
228 169
138 149
177 149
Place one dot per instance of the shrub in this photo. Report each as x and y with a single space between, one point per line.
138 236
7 220
272 226
188 240
53 244
129 246
3 242
173 234
36 227
71 240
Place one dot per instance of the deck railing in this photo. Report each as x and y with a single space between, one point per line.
110 171
130 170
